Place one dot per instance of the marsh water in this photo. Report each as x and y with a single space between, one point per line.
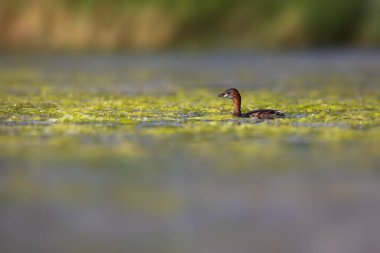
135 153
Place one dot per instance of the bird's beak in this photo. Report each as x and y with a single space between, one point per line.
223 95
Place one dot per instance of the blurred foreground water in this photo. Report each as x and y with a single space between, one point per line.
105 187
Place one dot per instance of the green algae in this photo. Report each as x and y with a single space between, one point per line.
163 113
112 127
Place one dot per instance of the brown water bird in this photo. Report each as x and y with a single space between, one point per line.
234 94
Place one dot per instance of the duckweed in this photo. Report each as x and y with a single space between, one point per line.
97 126
104 114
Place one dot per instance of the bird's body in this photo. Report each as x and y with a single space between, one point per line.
234 94
263 114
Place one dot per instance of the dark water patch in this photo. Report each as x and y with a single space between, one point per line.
133 74
95 123
323 125
296 116
162 123
28 122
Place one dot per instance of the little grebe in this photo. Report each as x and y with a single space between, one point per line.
234 94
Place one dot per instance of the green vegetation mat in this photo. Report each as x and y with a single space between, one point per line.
136 130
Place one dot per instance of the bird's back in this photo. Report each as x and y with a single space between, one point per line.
264 114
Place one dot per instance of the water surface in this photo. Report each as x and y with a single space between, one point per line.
135 153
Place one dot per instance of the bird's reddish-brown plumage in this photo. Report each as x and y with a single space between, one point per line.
234 94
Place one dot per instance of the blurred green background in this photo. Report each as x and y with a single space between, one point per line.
77 25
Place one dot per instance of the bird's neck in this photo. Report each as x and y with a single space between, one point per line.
237 107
